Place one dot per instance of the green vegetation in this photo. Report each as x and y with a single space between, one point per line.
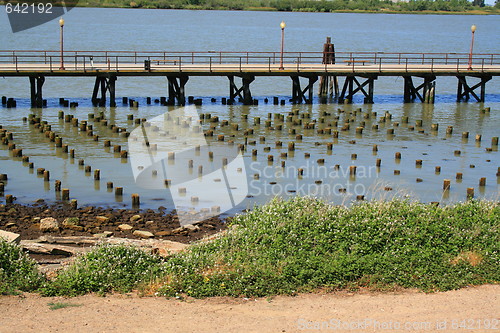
411 6
17 270
105 269
304 244
61 305
287 247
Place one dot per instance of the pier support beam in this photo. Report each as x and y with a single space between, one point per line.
328 84
424 92
103 85
299 95
242 92
176 90
464 91
348 91
36 84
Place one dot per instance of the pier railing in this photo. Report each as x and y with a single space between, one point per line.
241 61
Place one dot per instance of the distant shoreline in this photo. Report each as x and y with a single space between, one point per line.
133 5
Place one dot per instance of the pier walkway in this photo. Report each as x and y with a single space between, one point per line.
359 70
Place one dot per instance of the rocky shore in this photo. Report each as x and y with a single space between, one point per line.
40 219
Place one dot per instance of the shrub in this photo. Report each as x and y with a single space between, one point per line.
17 270
304 244
105 268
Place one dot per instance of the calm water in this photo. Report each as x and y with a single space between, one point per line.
164 30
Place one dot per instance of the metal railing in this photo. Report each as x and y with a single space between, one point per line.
239 61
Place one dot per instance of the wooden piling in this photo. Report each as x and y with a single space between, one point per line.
46 175
9 199
482 181
446 184
478 137
65 194
136 202
118 191
97 174
470 193
57 186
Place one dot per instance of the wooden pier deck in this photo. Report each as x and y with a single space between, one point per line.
360 70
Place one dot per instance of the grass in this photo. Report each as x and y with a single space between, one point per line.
17 271
105 269
298 245
61 305
304 244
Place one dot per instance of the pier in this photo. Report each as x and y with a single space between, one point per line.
357 71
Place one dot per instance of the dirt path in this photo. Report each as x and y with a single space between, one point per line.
414 311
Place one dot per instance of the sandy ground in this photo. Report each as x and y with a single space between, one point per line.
470 309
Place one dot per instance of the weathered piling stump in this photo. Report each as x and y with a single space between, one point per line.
478 137
65 194
9 199
46 175
482 181
136 202
97 174
446 184
118 191
459 176
470 193
57 186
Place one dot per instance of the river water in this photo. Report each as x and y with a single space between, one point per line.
181 30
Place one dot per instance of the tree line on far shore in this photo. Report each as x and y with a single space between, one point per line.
296 5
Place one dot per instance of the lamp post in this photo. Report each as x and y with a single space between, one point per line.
61 24
282 26
473 29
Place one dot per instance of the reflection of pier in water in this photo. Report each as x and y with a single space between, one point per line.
360 70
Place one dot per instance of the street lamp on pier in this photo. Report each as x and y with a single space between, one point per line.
61 24
282 26
473 29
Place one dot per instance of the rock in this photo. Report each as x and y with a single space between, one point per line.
49 224
191 227
10 225
70 223
135 218
104 234
10 237
125 227
102 219
36 219
163 233
150 222
143 234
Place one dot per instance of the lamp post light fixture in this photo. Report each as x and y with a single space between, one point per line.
282 26
61 24
473 30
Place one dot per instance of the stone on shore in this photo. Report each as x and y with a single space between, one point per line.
49 224
143 234
125 227
10 237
